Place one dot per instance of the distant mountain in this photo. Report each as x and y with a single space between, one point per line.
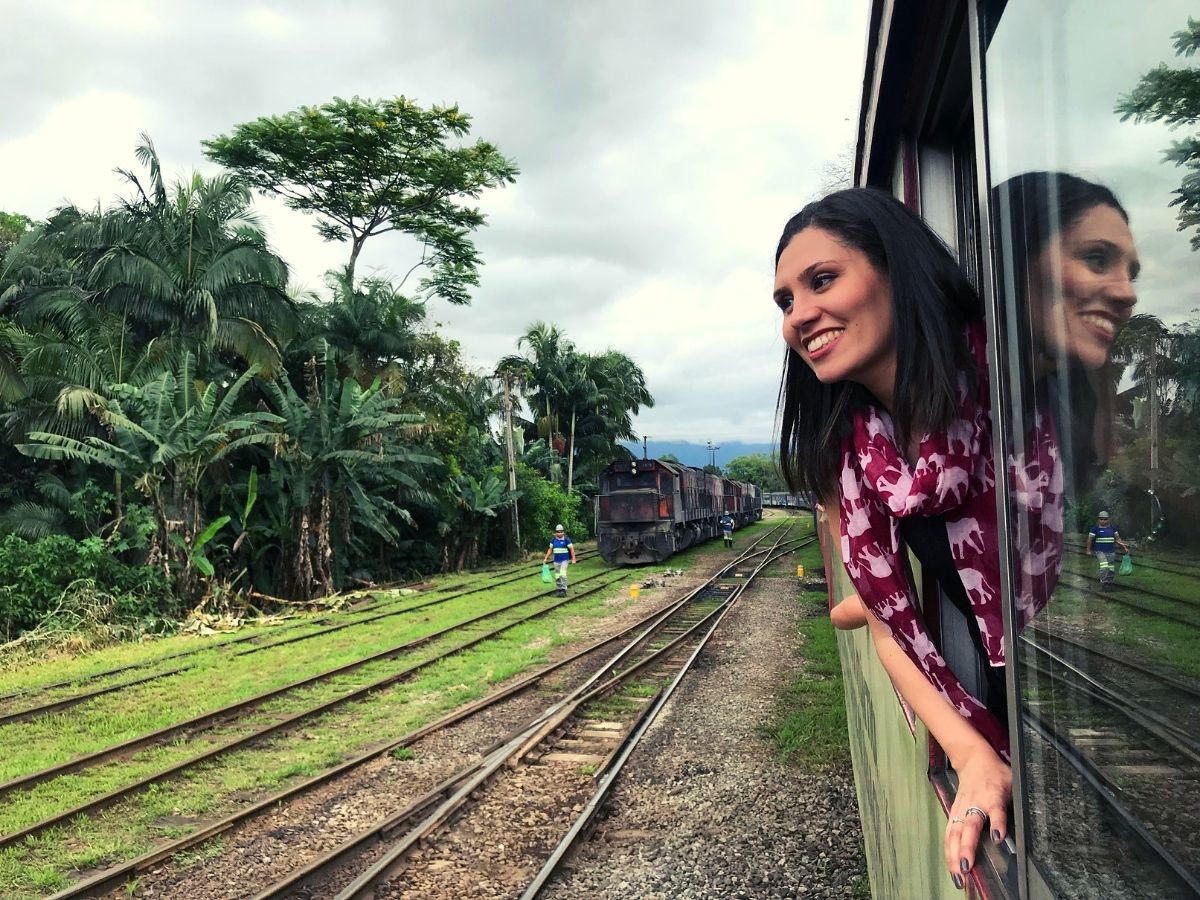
697 454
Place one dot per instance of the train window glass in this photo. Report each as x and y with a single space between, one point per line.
624 481
1095 203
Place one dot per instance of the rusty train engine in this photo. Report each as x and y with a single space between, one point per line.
649 509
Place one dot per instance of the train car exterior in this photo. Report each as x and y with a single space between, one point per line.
959 98
650 509
786 500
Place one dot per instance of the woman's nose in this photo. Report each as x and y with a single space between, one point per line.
801 314
1122 290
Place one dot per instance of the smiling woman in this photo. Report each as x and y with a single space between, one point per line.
885 411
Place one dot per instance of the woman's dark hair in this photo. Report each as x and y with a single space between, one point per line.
1028 210
932 301
1031 208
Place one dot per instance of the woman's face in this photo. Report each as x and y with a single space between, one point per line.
1086 292
837 312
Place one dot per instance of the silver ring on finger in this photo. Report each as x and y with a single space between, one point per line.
975 809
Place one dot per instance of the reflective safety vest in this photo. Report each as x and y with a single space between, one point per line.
561 547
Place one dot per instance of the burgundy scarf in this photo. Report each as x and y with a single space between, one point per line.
954 477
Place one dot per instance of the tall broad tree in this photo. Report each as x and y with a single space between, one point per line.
1172 95
366 167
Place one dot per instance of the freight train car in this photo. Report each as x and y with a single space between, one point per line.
649 509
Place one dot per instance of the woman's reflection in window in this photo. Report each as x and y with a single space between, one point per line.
1068 260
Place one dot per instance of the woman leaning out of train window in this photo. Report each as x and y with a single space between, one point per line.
885 416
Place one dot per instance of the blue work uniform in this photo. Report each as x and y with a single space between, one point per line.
561 546
1104 545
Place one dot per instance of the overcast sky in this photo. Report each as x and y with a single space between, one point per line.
661 145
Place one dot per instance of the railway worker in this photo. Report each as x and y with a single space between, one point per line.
727 529
1102 541
563 551
885 418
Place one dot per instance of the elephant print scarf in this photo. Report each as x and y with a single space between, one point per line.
954 477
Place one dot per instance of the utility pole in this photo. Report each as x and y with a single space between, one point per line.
1153 428
712 453
514 531
645 454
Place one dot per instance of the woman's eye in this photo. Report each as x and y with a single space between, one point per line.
1097 260
784 302
822 280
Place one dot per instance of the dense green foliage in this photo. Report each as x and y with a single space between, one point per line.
756 468
367 167
180 429
37 578
1172 95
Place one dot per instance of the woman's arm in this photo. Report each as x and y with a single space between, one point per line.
985 780
850 612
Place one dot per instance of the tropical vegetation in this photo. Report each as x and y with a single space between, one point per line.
180 427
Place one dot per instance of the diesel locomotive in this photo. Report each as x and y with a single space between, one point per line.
649 509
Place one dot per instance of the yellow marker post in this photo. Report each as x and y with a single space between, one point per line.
799 571
635 591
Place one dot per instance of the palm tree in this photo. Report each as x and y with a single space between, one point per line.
339 465
165 437
187 261
580 392
371 326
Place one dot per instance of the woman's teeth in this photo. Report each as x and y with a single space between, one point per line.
1103 324
823 339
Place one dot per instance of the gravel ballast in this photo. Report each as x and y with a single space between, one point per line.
706 809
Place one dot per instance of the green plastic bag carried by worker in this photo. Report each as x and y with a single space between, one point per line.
547 577
1126 565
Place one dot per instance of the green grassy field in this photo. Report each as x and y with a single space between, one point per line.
52 860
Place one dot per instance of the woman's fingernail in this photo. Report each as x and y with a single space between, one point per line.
996 835
957 881
964 865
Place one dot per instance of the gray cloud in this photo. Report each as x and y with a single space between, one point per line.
661 148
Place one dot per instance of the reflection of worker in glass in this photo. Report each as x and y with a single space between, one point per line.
1068 257
1103 539
885 417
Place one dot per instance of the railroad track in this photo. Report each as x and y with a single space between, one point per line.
323 624
1142 760
194 728
558 754
1127 587
641 640
1155 563
324 627
1120 597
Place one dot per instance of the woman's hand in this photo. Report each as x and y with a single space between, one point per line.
984 789
849 614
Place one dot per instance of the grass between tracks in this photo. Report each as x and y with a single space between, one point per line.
52 860
1170 647
810 729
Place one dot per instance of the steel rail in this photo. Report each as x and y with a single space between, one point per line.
212 717
1141 590
479 773
279 726
1149 721
621 757
1104 788
83 679
1168 680
470 782
1111 597
113 876
1140 557
373 615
